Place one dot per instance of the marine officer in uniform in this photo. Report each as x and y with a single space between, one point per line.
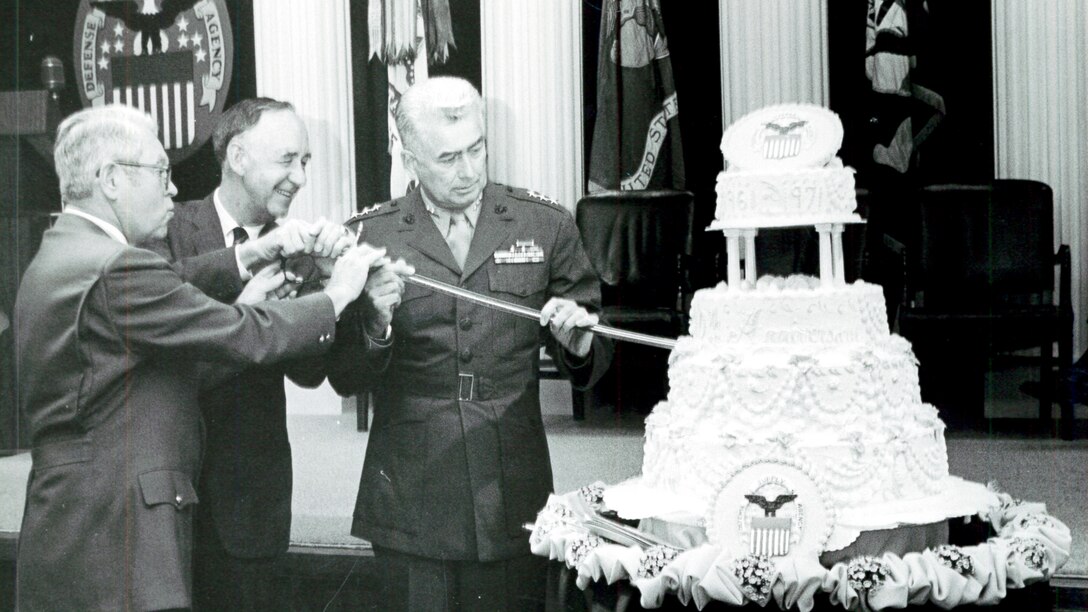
457 461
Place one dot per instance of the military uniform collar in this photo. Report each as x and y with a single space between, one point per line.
441 216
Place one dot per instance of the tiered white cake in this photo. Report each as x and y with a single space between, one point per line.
794 419
809 373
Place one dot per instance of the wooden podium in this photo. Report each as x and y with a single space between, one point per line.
28 195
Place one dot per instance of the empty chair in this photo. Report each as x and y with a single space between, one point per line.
980 279
640 243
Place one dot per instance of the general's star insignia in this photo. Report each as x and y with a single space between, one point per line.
542 197
370 209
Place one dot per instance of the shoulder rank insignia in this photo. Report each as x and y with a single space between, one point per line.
364 213
522 251
542 197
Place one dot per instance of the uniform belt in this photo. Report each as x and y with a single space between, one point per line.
465 386
78 450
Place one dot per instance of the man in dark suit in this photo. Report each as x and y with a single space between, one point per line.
107 336
457 461
243 522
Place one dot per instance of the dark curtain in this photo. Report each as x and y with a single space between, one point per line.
951 46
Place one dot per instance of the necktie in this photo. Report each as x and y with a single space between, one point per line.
240 235
459 237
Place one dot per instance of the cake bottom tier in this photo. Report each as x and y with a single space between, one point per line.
908 524
907 461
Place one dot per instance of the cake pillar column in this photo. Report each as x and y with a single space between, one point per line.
750 255
826 268
838 263
732 253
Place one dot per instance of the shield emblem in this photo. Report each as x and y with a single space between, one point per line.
168 58
770 536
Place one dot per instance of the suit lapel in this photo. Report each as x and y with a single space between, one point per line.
207 231
492 230
424 236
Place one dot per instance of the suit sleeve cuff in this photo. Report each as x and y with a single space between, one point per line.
384 342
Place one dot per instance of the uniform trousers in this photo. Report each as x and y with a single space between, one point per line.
222 581
410 582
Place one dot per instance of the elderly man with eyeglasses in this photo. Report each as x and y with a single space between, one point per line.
107 337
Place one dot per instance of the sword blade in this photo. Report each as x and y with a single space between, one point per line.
529 313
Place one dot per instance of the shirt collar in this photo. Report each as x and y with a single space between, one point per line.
441 216
228 223
109 228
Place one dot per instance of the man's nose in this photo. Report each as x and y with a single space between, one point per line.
464 167
171 190
298 174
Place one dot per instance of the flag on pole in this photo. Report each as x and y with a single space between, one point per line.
904 112
636 138
404 34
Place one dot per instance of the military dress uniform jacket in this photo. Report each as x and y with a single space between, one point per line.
107 336
457 461
245 483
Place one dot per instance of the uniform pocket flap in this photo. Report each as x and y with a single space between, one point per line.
167 487
520 280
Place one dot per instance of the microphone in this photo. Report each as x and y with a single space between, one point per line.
53 75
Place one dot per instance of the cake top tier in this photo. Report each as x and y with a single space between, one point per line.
783 137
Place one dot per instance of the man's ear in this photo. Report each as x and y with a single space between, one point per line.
237 158
109 181
409 161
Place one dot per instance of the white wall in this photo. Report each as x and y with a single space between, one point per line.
532 83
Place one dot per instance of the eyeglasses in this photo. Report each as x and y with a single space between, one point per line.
164 172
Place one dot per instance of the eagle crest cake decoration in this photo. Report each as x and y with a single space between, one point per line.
783 136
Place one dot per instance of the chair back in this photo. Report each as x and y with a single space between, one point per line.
638 242
984 246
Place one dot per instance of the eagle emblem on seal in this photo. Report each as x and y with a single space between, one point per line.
169 58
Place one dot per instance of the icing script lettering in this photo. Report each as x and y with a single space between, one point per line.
809 336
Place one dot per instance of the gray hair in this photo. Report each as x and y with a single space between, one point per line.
439 100
90 138
241 118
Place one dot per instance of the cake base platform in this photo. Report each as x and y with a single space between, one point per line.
1027 546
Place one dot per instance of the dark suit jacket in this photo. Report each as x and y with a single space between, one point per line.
454 479
107 336
245 483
